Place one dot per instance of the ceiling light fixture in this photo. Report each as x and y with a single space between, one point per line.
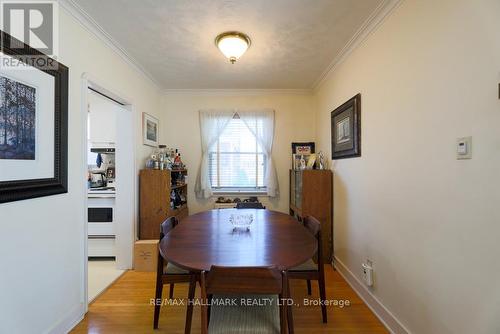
232 44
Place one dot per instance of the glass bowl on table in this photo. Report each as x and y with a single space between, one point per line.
241 221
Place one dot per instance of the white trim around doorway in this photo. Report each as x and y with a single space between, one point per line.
90 81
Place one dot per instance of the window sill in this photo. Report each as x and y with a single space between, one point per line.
217 193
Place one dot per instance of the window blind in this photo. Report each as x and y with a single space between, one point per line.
236 160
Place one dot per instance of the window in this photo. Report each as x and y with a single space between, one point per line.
236 152
236 160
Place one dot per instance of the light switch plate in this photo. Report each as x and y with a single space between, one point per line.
464 148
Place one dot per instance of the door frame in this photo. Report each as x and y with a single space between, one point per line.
90 81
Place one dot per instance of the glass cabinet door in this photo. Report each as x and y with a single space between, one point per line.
298 189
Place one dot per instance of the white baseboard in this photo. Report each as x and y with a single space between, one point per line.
384 315
71 319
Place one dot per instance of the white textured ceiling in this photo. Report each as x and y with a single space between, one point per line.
293 41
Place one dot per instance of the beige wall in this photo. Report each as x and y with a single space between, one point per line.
41 240
429 223
294 118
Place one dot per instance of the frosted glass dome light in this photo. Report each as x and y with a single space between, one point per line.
232 44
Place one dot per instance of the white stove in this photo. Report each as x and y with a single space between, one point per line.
101 222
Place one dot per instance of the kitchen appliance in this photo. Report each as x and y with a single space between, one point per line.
101 225
99 156
101 201
107 150
101 215
97 179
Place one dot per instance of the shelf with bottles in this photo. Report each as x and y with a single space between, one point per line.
179 170
178 179
160 199
165 158
178 198
179 186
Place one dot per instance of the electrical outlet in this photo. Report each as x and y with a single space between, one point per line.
367 272
464 148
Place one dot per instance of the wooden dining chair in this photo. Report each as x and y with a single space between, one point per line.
230 291
310 270
249 205
168 273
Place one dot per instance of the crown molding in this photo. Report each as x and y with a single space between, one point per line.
85 20
370 25
237 92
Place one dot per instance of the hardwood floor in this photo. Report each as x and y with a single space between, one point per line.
125 308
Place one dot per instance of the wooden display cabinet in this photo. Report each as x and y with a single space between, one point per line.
311 194
155 188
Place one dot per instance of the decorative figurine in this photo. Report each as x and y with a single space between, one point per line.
321 160
302 163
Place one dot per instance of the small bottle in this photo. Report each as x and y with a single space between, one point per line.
172 199
177 160
178 200
162 152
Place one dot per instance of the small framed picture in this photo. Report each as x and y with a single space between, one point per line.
346 129
303 148
150 127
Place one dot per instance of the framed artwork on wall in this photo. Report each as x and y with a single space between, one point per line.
299 149
150 128
303 148
346 129
33 123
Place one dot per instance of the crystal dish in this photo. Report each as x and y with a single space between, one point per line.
241 221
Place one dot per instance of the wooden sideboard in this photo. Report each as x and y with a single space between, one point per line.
311 193
154 204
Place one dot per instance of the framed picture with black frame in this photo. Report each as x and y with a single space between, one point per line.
346 129
303 148
298 149
33 123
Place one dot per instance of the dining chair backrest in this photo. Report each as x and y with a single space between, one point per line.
243 280
167 226
249 205
239 281
314 227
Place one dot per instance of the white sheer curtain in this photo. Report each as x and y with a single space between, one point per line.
264 131
213 122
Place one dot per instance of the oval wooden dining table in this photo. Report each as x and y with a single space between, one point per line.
208 238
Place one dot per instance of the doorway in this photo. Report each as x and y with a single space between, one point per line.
110 187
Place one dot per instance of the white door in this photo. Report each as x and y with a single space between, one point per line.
125 199
102 120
